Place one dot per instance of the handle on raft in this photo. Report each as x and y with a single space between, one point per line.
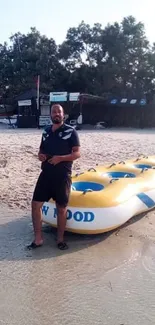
122 162
78 174
144 170
143 156
113 180
88 190
91 169
126 175
112 165
140 157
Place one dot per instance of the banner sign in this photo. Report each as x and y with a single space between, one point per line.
58 96
24 102
113 101
44 121
126 101
143 102
133 101
74 97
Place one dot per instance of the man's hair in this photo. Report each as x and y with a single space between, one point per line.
57 105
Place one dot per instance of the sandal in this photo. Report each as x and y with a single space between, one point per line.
62 245
33 245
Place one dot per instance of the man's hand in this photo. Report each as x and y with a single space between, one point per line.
55 160
41 157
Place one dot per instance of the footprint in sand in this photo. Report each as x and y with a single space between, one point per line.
3 163
148 260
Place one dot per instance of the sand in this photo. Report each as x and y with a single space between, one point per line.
20 167
102 279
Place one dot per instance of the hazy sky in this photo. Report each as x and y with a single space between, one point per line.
54 17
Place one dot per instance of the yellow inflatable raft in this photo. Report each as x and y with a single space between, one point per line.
105 197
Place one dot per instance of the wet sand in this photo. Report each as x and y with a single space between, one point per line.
106 279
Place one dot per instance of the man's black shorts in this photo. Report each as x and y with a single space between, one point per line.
50 186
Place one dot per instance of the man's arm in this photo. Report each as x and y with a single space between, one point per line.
41 147
41 155
73 156
45 133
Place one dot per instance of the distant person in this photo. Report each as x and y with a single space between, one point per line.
59 147
80 119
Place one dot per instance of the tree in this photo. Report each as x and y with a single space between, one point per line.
116 59
26 57
116 56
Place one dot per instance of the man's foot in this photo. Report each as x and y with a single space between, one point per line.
62 245
33 245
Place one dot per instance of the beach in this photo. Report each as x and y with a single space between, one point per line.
106 279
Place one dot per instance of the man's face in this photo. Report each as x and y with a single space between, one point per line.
57 114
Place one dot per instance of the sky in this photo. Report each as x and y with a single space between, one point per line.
54 17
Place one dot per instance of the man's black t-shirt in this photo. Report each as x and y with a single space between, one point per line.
58 143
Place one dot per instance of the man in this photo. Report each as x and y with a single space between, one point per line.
59 147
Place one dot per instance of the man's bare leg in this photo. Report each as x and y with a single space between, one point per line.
37 224
61 223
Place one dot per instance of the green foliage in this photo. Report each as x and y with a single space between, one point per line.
117 58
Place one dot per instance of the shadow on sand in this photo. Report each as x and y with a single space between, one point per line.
16 234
